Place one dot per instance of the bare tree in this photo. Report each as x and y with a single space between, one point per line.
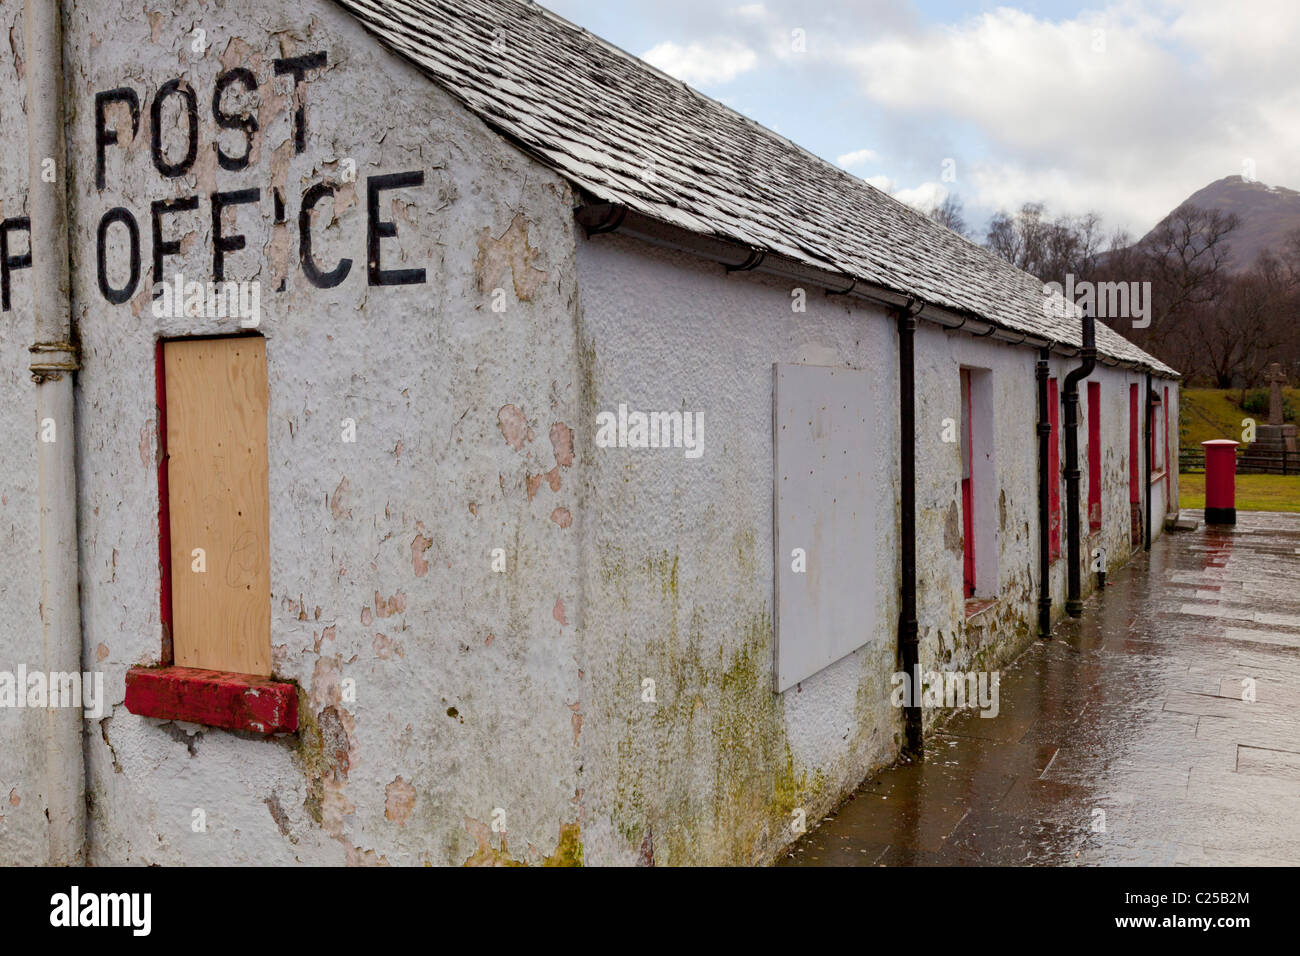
1240 334
949 213
1214 325
1185 260
1048 248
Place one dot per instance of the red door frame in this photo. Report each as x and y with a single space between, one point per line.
1134 447
1054 470
967 500
1094 456
1168 464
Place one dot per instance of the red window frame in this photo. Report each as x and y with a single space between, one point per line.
167 691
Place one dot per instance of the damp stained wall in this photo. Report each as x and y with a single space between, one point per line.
467 697
679 564
22 748
988 639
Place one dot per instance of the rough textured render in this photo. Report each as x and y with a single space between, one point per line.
679 573
381 559
22 766
626 133
679 568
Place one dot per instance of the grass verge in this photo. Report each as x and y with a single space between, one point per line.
1254 492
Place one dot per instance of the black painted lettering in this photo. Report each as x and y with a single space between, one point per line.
108 137
122 294
166 247
8 262
243 121
377 229
318 278
297 67
177 87
221 243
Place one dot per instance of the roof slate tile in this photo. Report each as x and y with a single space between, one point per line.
600 117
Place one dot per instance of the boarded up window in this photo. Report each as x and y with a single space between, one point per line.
1155 432
823 443
216 403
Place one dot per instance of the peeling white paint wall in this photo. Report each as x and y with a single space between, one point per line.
22 741
465 679
678 572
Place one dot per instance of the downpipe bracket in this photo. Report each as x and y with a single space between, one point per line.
52 360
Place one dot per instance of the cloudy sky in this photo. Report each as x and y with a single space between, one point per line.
1123 108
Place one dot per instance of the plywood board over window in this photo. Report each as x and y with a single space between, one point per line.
219 513
823 444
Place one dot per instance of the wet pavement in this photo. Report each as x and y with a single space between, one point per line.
1125 739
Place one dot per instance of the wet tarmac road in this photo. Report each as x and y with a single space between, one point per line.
1124 740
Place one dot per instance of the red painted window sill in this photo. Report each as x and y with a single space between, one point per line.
213 698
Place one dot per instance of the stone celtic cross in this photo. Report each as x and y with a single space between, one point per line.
1275 378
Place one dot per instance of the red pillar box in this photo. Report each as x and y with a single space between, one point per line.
1220 481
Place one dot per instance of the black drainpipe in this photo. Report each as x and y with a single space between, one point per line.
1146 433
908 640
1044 491
1073 604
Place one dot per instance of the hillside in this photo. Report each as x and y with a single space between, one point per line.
1267 214
1207 413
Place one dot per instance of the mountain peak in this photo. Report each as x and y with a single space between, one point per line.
1268 214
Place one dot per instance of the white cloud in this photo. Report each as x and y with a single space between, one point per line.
1124 110
923 197
718 61
1123 106
856 158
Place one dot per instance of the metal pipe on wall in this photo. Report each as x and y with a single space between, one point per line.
1070 397
908 629
53 362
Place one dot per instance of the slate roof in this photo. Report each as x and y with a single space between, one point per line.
600 117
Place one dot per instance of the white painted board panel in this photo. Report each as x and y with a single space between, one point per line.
822 439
